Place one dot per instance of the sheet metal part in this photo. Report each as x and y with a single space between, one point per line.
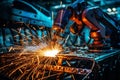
72 64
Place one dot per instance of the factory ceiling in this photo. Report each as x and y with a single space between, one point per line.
49 3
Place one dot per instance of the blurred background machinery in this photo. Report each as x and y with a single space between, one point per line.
21 22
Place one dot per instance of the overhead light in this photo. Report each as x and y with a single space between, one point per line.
109 10
114 9
59 6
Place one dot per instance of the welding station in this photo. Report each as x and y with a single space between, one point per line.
59 40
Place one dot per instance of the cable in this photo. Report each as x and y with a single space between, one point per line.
91 70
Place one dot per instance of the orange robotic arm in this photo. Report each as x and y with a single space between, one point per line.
98 22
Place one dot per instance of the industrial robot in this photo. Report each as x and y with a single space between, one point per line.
104 30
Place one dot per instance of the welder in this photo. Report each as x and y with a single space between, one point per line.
82 14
